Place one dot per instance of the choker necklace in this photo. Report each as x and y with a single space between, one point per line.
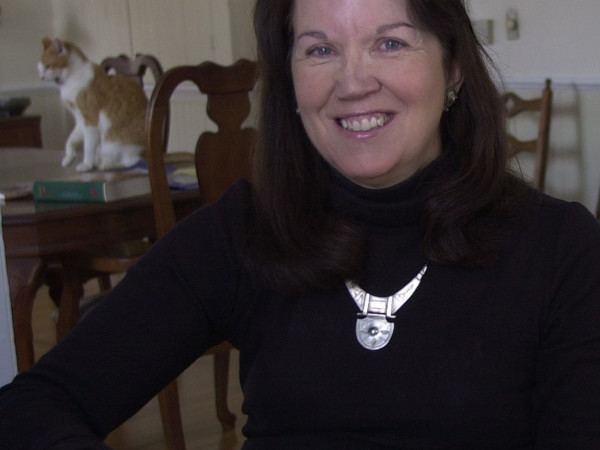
375 320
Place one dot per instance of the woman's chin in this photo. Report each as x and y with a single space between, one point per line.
373 177
371 180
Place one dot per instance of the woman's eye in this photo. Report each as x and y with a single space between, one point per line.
320 51
391 45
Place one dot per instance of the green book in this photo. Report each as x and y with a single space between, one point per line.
94 187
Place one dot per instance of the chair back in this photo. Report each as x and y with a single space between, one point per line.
135 68
220 158
542 106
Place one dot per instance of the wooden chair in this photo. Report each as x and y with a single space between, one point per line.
66 282
135 68
542 106
221 158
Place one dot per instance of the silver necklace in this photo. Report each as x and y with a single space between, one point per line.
374 322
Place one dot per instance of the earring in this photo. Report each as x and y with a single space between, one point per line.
451 96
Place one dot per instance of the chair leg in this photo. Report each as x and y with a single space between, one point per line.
170 413
52 278
68 308
104 282
221 376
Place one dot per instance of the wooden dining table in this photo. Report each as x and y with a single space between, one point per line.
40 235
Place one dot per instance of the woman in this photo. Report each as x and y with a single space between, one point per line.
388 283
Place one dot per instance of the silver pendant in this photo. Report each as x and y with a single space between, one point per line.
374 323
374 333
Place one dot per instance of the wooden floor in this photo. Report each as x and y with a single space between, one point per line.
143 431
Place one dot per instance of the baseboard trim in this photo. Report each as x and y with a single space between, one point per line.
40 89
558 82
43 89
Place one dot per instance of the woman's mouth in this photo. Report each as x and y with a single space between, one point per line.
366 122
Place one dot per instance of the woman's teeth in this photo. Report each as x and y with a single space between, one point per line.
364 124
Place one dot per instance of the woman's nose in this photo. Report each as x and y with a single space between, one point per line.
355 78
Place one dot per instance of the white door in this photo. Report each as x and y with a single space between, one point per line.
8 360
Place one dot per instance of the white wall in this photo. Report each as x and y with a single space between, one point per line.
23 23
99 28
242 30
559 39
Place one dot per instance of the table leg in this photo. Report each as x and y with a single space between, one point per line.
71 295
24 279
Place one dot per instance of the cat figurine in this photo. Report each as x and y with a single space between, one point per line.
109 110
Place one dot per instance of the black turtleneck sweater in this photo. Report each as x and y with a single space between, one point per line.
503 356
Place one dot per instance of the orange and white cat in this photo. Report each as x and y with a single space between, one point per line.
109 110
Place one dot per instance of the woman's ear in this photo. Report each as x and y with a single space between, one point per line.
455 77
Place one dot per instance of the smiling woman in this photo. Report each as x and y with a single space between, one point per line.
399 65
388 283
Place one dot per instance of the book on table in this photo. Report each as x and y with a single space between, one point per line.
98 187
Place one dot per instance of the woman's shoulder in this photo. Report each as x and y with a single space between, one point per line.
546 215
553 208
233 205
237 200
240 190
223 222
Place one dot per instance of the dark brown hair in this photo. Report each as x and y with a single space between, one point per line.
301 243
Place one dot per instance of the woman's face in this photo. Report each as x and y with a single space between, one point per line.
370 87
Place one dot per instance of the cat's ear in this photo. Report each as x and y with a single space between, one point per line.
57 45
46 42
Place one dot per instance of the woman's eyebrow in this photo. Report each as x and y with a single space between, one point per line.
314 34
380 30
384 28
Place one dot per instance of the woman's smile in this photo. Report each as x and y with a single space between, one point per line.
364 122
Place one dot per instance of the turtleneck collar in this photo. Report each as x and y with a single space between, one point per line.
398 205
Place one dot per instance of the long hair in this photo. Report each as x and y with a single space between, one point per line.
298 243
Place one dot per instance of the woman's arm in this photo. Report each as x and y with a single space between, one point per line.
166 312
567 391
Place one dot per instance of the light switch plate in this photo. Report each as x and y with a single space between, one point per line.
512 24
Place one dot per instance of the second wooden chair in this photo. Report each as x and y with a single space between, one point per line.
542 106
